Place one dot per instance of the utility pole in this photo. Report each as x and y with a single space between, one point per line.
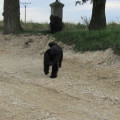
25 4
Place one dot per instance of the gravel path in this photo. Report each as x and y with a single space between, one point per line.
87 87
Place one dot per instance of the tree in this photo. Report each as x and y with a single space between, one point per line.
98 18
11 17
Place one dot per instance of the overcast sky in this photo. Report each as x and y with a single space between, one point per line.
39 10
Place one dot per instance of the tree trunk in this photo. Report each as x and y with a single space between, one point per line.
98 20
11 17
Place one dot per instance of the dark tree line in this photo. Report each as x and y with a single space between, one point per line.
12 16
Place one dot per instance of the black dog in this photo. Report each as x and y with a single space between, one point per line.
56 24
53 57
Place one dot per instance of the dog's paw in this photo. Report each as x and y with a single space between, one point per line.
46 73
53 76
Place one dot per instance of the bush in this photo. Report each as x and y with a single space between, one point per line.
116 47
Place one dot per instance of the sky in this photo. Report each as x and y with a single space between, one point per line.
39 11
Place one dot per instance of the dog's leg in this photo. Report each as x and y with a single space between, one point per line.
54 71
61 58
46 68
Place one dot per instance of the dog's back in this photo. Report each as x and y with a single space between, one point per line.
54 54
55 49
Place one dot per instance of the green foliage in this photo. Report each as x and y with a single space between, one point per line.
116 47
84 40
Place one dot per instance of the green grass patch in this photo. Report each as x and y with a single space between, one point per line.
84 40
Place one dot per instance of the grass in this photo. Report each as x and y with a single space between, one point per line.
38 28
79 36
73 26
84 40
34 26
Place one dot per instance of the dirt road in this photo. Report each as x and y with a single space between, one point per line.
87 87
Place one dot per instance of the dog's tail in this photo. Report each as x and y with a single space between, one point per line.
51 44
